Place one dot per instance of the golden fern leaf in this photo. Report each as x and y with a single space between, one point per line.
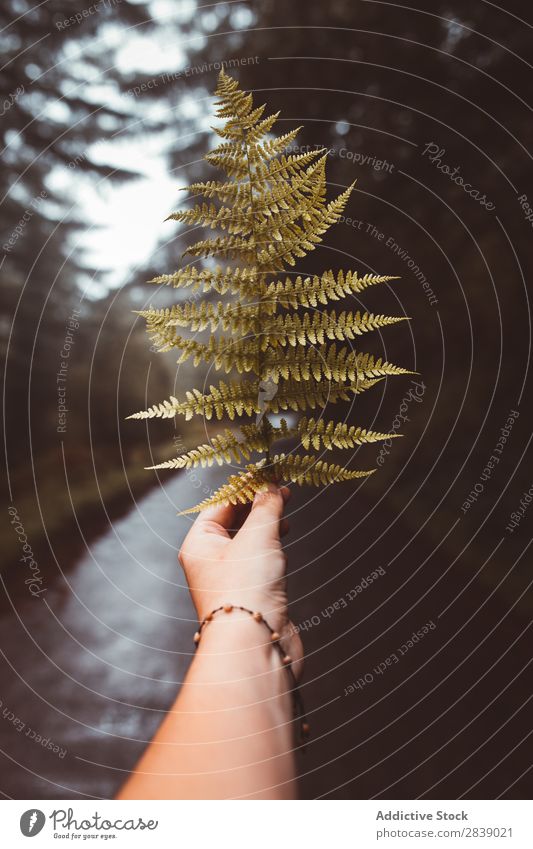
270 209
232 164
259 129
237 317
301 470
233 103
232 247
239 398
316 327
309 292
326 361
225 353
317 432
241 281
272 221
232 399
278 171
224 191
227 447
233 219
309 470
274 188
223 448
370 367
303 394
204 214
274 146
282 195
296 240
238 489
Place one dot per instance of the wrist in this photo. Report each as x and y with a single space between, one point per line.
243 650
273 611
236 633
244 647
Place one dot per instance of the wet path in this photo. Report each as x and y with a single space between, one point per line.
89 668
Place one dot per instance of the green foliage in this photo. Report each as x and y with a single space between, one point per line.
271 210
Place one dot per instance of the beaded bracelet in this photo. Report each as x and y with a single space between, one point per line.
297 701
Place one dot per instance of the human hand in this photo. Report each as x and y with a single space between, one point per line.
234 555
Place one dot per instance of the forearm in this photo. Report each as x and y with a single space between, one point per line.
229 734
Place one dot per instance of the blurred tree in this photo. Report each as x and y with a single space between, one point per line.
49 121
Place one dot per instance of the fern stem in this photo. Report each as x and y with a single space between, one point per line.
266 423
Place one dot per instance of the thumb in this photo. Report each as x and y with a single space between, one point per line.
263 521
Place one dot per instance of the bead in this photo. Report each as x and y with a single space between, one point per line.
258 617
274 637
305 728
197 637
287 659
228 608
209 617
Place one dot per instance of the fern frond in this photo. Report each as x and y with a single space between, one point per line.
235 221
163 410
278 171
239 398
300 470
238 489
268 210
227 447
234 103
317 432
272 223
305 292
266 151
232 399
309 470
232 164
277 195
296 240
224 191
224 352
309 292
317 327
290 240
239 318
242 281
284 196
261 127
326 361
223 448
230 247
312 394
371 367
